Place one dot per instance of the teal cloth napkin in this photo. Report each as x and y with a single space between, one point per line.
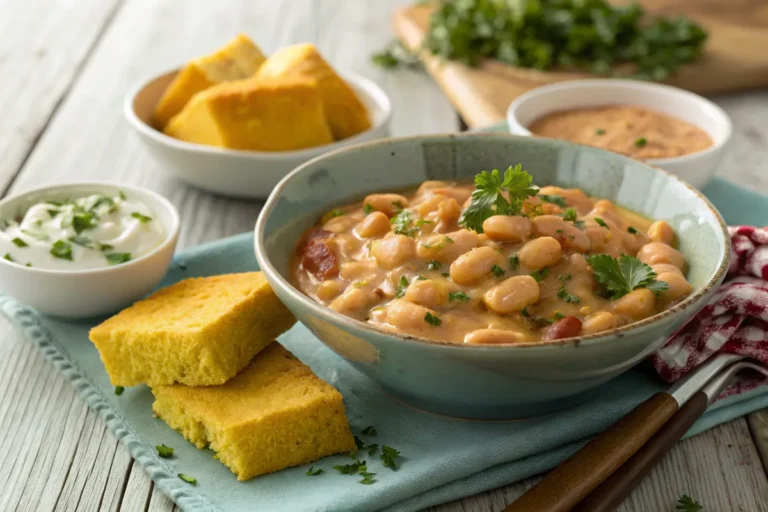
443 459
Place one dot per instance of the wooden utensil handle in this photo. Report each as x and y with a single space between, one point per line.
574 479
609 495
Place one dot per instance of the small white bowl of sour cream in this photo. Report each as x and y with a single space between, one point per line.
85 249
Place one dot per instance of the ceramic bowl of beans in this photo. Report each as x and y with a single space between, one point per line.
489 276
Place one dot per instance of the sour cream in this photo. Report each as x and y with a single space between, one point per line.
90 232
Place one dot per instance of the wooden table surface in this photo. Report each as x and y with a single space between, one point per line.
66 67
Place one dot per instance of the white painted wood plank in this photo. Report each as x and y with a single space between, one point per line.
117 480
42 45
137 492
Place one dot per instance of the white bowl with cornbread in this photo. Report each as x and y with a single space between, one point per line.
662 125
81 250
239 133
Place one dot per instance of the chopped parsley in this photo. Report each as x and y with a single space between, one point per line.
421 222
599 131
105 247
401 287
18 242
601 222
367 208
641 142
81 240
368 478
487 198
27 264
100 200
631 230
563 294
119 390
83 221
371 448
403 223
621 276
434 265
188 479
313 472
525 312
432 319
350 469
370 430
688 504
116 258
571 215
398 206
460 296
446 275
514 261
558 315
389 457
164 451
62 250
540 274
144 218
420 278
497 271
122 195
52 213
556 200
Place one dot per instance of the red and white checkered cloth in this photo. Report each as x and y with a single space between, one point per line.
735 320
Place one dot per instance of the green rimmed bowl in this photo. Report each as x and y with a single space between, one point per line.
499 381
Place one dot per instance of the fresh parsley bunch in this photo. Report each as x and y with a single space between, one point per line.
591 35
488 198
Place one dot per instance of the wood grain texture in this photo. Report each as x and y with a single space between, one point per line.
734 58
54 452
39 57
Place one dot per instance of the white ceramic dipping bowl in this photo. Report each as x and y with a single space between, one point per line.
92 292
239 173
695 168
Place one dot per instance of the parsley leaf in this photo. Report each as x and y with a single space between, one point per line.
432 319
367 208
487 198
571 215
164 451
641 142
563 293
434 265
81 240
389 457
188 479
119 390
313 472
631 230
370 430
372 448
403 223
18 242
401 287
601 222
144 218
62 250
688 504
497 271
8 257
328 216
540 274
514 261
460 296
116 258
367 477
83 221
621 276
350 469
599 131
556 200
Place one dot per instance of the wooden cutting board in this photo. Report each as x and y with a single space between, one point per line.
736 57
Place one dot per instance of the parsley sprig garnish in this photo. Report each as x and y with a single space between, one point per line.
621 276
389 457
488 200
563 294
314 472
688 504
401 287
460 296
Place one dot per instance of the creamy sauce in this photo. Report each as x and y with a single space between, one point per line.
86 233
634 131
403 263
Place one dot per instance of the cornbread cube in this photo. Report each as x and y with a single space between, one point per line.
272 115
240 58
346 113
274 414
199 331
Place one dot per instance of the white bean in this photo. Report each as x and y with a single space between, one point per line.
564 232
507 228
494 337
475 264
540 252
513 294
374 224
636 305
388 204
657 252
394 250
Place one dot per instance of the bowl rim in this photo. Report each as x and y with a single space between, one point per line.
172 231
371 88
629 84
348 323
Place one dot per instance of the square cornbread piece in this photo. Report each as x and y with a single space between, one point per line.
199 331
347 115
270 115
274 414
240 58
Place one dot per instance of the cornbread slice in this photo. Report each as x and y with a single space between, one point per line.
240 58
346 113
271 115
274 414
199 331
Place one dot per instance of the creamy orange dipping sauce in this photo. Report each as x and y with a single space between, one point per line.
402 263
634 131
